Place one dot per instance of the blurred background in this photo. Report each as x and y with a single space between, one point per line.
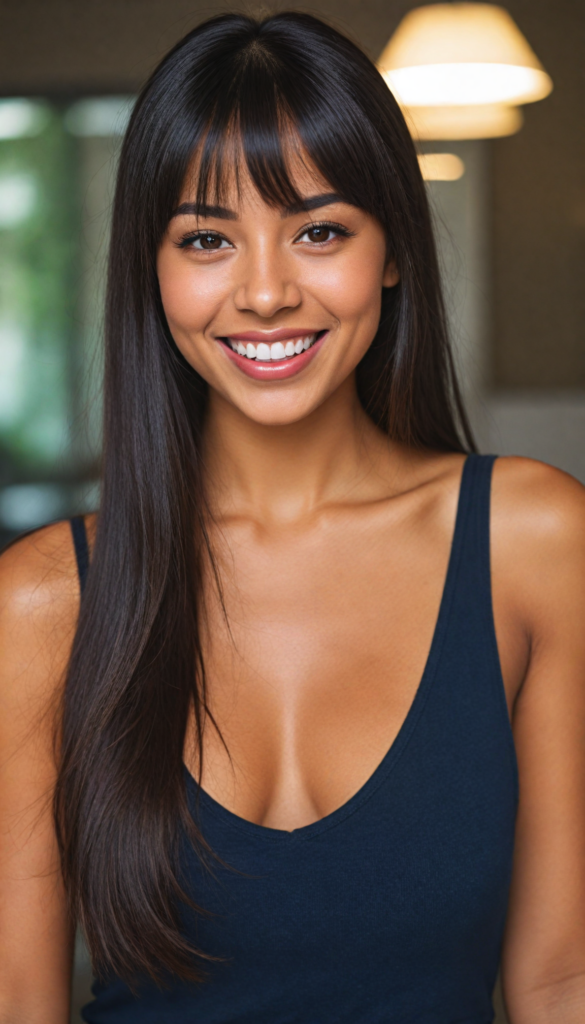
505 173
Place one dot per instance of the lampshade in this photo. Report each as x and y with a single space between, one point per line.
461 54
486 121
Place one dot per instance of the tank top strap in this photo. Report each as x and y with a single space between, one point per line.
81 546
473 528
471 541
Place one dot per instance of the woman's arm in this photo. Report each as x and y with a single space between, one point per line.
38 607
539 559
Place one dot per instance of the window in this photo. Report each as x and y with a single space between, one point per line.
57 163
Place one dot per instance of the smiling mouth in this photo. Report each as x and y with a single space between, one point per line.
263 352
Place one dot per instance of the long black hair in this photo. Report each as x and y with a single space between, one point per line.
136 668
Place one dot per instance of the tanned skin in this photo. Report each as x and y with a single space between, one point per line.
333 545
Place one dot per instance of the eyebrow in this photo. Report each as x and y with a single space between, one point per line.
222 212
204 210
312 203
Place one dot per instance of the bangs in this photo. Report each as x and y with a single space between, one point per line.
230 154
251 133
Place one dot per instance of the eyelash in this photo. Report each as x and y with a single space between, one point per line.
332 225
186 240
339 229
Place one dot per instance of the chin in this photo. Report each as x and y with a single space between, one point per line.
277 411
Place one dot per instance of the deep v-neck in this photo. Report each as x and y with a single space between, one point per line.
404 733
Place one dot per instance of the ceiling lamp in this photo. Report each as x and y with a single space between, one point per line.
485 121
441 166
459 55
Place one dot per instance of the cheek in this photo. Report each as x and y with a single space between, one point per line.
189 299
352 292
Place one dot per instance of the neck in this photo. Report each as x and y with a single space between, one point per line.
286 472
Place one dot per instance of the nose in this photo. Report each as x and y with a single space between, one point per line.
267 285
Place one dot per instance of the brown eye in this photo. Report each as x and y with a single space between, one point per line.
210 241
318 234
204 241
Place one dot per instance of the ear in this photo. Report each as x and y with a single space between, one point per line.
391 275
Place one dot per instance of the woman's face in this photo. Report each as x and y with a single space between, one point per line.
274 308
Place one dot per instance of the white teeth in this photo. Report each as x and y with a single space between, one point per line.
264 352
277 350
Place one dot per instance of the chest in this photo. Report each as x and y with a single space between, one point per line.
314 659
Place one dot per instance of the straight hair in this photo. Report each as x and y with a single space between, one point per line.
136 671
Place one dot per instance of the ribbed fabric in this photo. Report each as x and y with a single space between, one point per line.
392 908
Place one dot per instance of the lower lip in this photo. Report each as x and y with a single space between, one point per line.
278 370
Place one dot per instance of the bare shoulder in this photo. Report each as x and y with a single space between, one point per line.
39 602
538 539
38 576
536 504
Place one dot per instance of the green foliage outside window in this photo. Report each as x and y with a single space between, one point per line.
56 165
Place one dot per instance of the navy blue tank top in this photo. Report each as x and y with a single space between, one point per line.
391 909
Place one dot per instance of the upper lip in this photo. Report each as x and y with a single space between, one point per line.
280 334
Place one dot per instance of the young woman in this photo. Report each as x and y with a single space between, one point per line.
266 761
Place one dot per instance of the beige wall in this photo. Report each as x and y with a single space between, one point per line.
111 44
539 214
